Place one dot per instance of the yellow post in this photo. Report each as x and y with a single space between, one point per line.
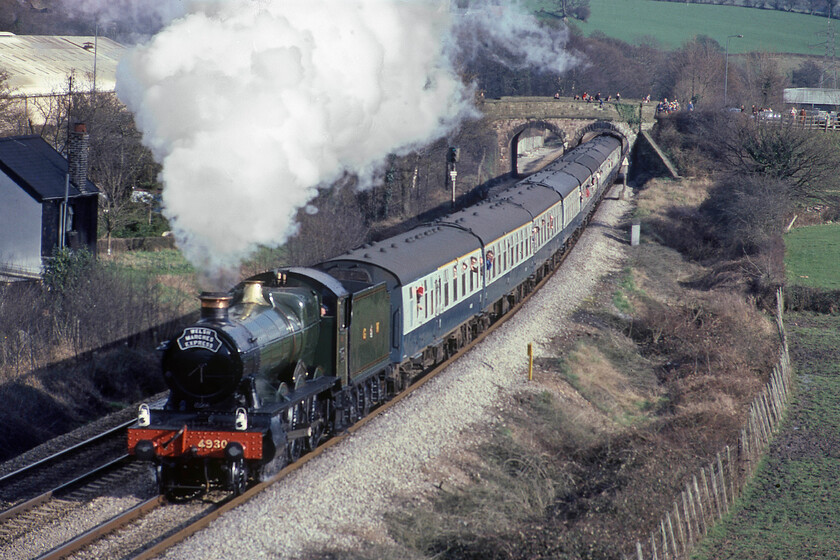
530 361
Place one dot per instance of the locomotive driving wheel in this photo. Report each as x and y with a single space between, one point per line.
365 398
238 477
297 417
317 422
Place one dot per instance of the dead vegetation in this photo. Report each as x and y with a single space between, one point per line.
78 347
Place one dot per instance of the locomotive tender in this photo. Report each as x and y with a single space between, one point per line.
293 355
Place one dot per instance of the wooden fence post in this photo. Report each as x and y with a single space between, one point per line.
688 515
674 546
722 476
654 556
680 530
731 473
700 504
706 492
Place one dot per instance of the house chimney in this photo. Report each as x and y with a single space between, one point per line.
77 156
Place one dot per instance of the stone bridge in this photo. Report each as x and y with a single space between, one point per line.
572 122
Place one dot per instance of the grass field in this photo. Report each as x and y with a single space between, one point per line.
812 256
790 510
674 23
167 261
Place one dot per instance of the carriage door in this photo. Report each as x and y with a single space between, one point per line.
342 322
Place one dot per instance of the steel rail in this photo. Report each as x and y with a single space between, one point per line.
64 452
99 531
46 496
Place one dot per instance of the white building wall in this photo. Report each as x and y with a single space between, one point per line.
20 229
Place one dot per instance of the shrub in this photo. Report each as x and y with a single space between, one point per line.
746 211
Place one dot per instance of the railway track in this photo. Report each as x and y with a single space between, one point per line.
62 468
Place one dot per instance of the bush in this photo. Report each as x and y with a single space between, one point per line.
66 268
806 298
746 211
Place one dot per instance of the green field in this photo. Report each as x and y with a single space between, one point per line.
812 256
674 23
790 510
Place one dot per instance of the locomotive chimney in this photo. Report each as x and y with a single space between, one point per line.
253 293
78 147
214 305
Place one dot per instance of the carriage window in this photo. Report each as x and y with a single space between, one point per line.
446 293
455 284
425 299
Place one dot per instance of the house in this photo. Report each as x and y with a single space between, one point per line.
46 201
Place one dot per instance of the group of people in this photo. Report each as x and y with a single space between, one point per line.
597 98
663 106
668 107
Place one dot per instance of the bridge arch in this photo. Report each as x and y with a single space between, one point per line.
597 128
516 134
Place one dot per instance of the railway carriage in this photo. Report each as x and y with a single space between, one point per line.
295 354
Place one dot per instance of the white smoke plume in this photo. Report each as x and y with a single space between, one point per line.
504 31
250 105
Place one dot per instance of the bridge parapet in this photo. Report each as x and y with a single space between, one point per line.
572 121
546 107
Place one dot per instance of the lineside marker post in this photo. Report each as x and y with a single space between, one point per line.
530 361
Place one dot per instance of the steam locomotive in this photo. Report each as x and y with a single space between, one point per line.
293 355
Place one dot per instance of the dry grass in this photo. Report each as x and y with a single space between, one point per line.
70 356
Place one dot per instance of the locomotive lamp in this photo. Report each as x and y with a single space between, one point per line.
241 421
144 416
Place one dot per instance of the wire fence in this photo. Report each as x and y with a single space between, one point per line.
710 492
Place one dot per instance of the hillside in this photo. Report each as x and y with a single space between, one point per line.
673 23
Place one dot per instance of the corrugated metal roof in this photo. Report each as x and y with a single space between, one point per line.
812 96
37 168
39 64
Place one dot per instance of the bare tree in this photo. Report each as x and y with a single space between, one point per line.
118 161
578 9
337 226
695 71
802 158
764 80
12 116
